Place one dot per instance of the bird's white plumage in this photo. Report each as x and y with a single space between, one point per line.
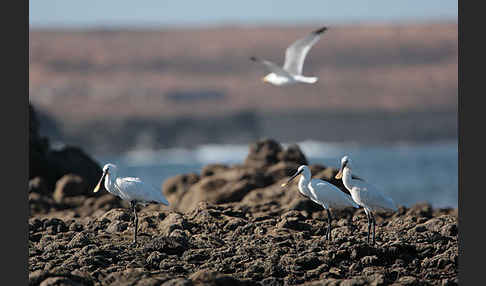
137 190
321 192
295 54
272 67
130 188
367 195
328 195
363 193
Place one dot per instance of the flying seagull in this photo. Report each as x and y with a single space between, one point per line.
291 72
129 189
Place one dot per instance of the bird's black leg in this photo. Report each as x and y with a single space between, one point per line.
329 218
374 225
135 220
369 225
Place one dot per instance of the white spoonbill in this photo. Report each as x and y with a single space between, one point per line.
129 189
321 192
365 195
295 54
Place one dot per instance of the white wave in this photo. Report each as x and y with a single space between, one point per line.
217 153
234 153
204 154
317 149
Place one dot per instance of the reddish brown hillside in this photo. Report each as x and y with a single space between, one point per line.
121 73
90 78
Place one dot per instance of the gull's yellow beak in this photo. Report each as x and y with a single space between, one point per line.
264 79
100 183
283 185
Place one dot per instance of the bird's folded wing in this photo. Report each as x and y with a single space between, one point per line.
330 194
134 188
296 53
374 197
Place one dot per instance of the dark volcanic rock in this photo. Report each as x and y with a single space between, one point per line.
38 147
252 243
38 185
51 165
263 153
176 187
72 160
223 187
293 154
267 152
212 169
267 162
238 226
214 278
167 245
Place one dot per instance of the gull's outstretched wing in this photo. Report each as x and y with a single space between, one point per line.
295 53
271 67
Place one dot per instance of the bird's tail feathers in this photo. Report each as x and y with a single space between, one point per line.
389 206
311 79
306 79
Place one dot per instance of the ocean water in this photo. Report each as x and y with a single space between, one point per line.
407 172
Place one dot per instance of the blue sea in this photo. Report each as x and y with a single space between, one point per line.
407 172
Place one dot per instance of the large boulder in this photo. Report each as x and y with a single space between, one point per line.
69 185
267 152
267 163
38 147
280 170
175 188
293 154
263 153
51 164
224 187
73 160
212 169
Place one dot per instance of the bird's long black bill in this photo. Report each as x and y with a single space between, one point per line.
291 178
339 175
100 183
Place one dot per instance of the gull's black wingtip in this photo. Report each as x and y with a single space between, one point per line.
254 59
320 31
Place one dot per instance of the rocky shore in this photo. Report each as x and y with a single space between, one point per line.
231 225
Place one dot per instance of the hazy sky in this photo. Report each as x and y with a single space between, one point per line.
182 13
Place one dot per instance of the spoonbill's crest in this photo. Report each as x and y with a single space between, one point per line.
109 167
345 160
